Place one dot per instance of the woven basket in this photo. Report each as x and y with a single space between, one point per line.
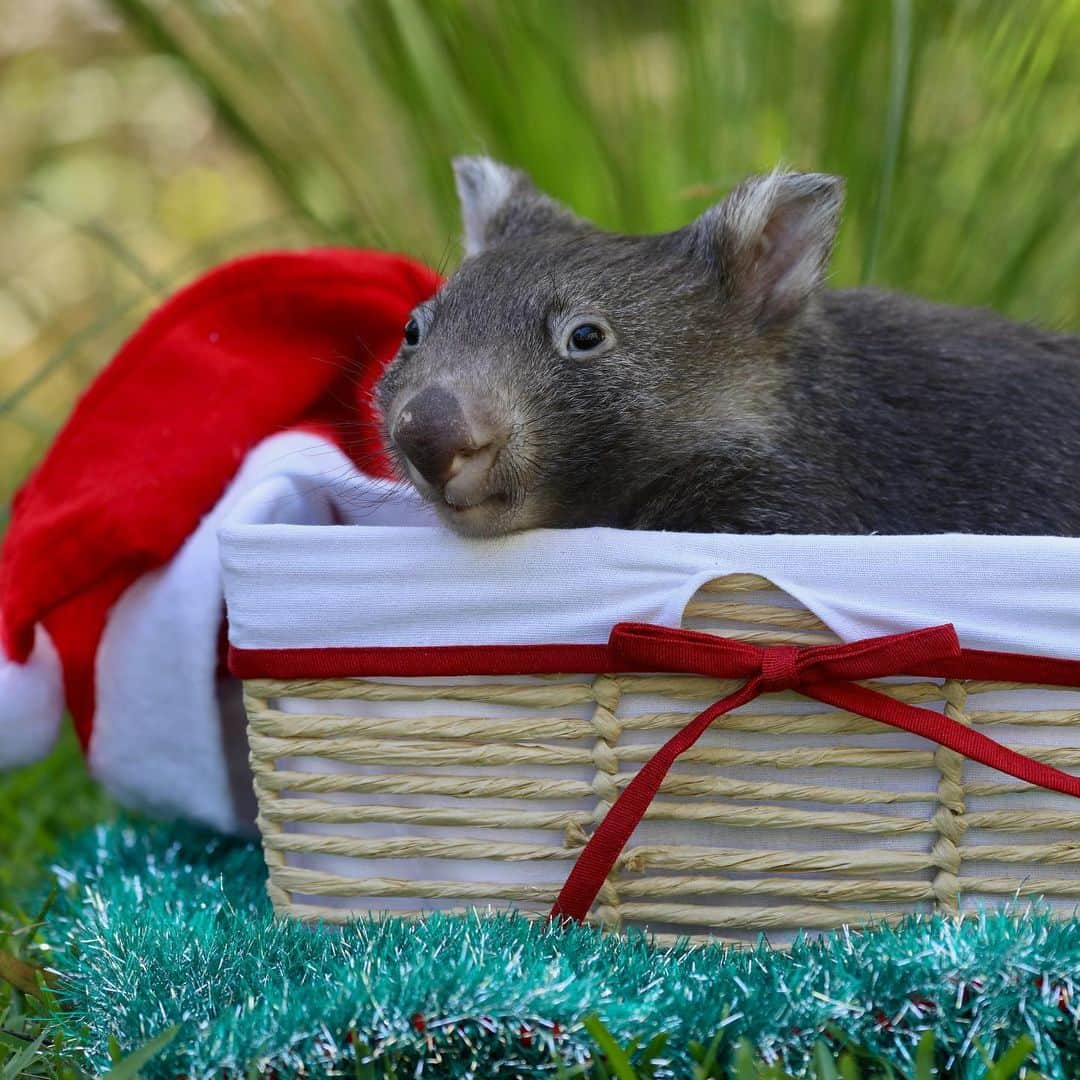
406 795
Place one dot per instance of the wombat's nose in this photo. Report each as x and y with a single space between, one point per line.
433 432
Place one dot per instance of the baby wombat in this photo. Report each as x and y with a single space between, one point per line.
703 380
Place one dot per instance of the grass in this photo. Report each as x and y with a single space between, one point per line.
954 124
40 807
950 121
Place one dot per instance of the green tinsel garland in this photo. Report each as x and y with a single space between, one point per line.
164 925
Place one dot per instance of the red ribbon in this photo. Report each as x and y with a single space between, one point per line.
826 673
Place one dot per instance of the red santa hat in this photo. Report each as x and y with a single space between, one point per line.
263 365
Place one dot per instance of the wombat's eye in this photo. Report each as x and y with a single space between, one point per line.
412 333
582 335
585 338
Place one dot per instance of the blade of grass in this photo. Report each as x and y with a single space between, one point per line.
1010 1063
18 1064
899 75
128 1068
614 1054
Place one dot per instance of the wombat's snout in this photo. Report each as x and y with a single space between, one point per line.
449 450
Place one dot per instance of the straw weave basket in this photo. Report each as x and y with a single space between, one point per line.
406 795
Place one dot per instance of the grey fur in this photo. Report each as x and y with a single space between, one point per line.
737 394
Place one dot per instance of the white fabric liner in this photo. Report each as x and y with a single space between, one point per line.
358 563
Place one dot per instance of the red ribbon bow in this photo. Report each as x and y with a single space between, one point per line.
826 673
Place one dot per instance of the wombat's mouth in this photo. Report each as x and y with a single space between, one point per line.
489 515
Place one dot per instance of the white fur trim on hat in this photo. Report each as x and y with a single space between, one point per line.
31 704
169 735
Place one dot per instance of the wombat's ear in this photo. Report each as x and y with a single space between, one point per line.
498 202
771 239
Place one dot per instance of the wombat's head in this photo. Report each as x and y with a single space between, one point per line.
563 372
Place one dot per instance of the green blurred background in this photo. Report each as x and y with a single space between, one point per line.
142 141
